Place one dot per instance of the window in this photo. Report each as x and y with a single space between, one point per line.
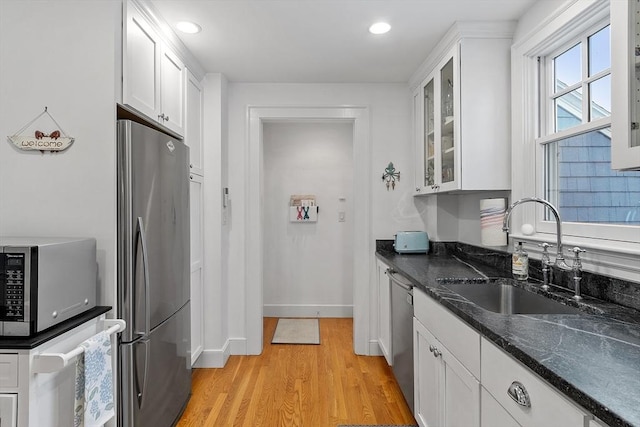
561 121
575 135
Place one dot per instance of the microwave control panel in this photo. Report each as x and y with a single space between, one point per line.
12 283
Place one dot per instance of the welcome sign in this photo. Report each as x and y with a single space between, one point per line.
45 143
57 140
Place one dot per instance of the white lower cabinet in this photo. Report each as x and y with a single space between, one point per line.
426 385
545 406
9 410
463 380
31 398
384 311
492 414
446 392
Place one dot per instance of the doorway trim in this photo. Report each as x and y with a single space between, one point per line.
359 116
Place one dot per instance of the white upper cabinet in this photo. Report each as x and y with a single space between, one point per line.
172 97
194 124
625 71
462 113
141 62
153 75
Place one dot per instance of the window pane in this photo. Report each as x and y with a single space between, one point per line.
582 185
600 98
568 110
567 68
599 51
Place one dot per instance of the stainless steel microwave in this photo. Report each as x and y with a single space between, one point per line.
45 281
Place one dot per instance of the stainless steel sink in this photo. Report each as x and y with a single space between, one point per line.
507 299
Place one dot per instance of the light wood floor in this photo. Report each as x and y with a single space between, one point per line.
298 385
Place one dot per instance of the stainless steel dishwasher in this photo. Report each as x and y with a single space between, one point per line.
402 333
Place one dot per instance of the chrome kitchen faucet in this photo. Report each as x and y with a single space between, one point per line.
560 261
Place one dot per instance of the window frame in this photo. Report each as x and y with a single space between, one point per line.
612 249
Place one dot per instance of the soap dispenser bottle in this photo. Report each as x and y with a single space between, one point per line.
520 263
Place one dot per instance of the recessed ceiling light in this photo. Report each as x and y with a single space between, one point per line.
188 27
379 28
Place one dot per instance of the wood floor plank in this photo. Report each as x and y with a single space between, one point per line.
298 386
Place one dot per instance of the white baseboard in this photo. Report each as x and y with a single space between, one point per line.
307 310
214 358
238 346
374 348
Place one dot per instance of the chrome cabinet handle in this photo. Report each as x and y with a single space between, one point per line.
519 394
433 349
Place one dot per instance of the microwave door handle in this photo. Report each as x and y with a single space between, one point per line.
145 266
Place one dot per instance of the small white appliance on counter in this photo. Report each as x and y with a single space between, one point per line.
411 242
44 281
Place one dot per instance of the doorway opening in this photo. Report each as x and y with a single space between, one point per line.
357 118
308 259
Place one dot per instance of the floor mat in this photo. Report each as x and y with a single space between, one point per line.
297 331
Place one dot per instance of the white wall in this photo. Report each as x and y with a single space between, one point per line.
64 55
539 14
390 109
308 267
216 229
60 55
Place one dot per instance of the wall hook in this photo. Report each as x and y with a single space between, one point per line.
390 176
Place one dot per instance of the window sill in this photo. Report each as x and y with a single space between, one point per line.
605 257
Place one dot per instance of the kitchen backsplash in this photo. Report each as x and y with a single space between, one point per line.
606 288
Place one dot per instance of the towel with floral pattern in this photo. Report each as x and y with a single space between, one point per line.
94 383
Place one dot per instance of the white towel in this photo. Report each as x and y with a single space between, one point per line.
94 383
491 216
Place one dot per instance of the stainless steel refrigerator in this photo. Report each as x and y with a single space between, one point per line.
153 276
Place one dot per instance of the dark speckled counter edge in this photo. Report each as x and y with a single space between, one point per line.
28 343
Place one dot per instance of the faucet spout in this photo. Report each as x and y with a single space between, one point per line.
560 261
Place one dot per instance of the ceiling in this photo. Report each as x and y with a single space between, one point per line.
323 41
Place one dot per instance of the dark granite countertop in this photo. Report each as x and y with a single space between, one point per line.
593 357
28 343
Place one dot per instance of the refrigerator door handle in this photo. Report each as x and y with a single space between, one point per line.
145 266
141 384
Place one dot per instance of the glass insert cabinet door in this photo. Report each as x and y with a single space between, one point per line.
447 124
625 72
429 135
635 80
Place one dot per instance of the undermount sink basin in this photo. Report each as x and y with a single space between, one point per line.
508 299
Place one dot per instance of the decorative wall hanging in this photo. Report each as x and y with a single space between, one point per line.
302 208
56 140
390 176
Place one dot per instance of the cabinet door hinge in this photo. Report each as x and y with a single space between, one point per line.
635 125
